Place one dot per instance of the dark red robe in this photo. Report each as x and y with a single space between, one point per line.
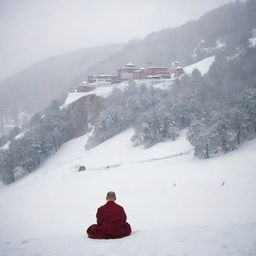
111 223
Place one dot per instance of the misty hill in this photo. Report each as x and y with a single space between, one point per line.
33 88
227 26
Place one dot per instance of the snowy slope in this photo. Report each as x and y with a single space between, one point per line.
107 90
195 241
101 91
175 203
203 66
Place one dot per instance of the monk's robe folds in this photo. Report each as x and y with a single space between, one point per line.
111 223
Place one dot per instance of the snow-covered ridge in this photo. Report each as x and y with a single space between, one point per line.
101 91
203 66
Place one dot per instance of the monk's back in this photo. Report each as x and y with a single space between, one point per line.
111 213
111 221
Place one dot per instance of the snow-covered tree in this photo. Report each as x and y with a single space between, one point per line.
249 104
7 167
110 122
155 125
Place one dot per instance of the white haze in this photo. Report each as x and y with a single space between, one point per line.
31 30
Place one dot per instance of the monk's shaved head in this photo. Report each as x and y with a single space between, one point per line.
111 196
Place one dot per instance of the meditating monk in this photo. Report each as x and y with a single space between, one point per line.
111 221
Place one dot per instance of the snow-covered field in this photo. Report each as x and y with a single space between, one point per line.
180 241
176 205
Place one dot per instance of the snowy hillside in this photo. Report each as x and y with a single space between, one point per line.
104 92
203 66
74 96
176 204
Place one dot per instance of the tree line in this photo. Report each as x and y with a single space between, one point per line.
45 133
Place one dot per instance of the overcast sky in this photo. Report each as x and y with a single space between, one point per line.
31 30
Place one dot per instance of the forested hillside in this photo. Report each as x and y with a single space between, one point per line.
229 26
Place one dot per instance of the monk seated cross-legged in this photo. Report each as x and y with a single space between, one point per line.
111 221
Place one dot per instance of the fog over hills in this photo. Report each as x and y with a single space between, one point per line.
34 30
35 87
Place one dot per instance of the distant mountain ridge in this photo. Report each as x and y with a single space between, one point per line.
231 24
36 86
